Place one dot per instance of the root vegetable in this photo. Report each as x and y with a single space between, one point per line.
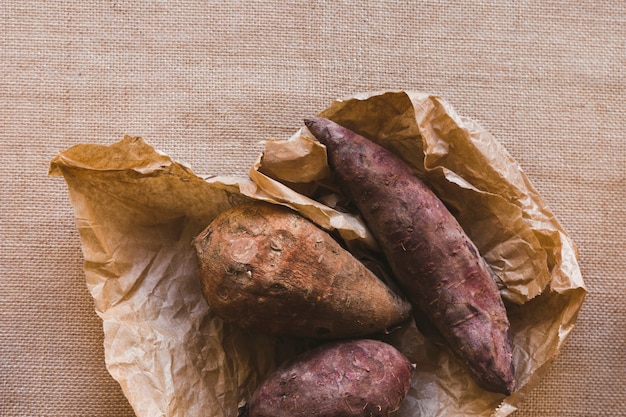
343 379
433 260
266 268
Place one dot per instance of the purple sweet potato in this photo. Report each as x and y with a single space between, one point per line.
435 263
266 268
341 379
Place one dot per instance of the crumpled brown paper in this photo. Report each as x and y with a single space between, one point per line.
137 212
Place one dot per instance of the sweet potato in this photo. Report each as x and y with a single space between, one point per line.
341 379
435 263
267 268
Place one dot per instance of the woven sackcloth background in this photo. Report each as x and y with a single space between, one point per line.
206 81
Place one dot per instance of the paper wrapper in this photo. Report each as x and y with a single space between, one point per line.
137 211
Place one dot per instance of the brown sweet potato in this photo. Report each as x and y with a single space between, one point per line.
269 269
341 379
433 260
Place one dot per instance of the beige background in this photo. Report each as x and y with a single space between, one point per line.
206 81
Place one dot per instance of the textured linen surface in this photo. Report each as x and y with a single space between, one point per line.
206 82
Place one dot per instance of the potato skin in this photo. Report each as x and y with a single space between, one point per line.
266 268
340 379
435 263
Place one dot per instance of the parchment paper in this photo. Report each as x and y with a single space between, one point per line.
137 211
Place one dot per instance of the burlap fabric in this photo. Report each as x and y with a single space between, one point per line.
205 82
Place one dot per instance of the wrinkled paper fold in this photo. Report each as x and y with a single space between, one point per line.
137 211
